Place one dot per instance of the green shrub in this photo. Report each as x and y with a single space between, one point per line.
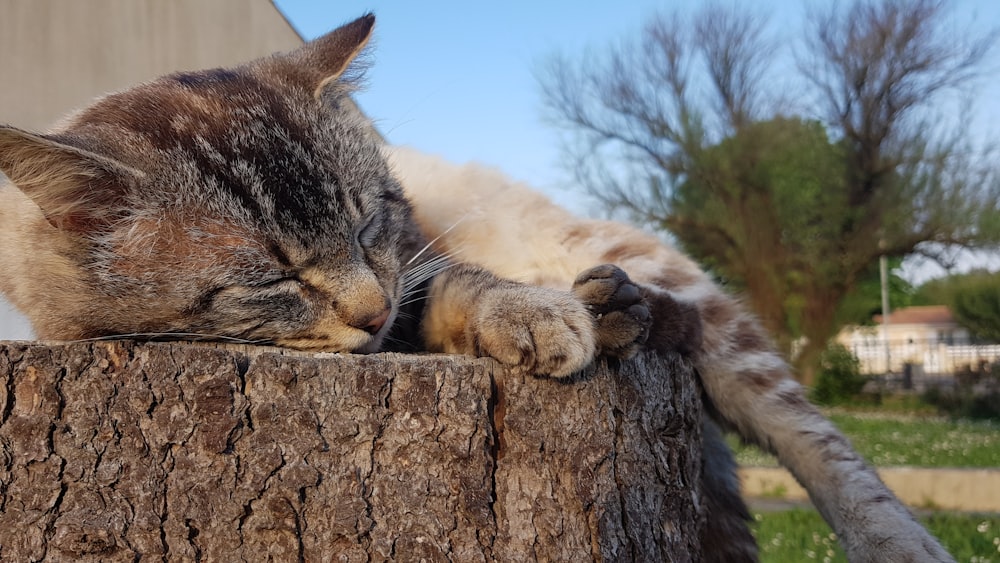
839 380
965 403
976 394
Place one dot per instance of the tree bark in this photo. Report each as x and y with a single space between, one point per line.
113 451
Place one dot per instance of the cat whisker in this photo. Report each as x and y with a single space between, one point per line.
406 316
407 293
394 340
435 239
414 300
398 125
425 271
418 273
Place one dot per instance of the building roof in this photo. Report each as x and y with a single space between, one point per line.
925 315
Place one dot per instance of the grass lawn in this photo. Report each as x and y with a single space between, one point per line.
900 439
888 439
801 535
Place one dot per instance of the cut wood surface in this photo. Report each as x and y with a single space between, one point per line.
114 450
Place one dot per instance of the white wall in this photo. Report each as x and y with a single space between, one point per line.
13 325
56 55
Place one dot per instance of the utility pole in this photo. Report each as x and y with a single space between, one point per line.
883 263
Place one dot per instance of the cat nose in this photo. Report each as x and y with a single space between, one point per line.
373 323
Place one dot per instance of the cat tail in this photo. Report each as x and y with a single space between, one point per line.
725 536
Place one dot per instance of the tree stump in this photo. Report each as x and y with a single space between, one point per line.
113 451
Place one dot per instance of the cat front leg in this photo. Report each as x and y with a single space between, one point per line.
532 329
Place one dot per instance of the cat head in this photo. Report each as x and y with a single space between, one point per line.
249 202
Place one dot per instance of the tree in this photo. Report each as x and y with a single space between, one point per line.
865 301
681 132
119 451
976 305
974 299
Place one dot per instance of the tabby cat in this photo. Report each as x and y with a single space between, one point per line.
255 203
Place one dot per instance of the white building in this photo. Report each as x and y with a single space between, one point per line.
928 338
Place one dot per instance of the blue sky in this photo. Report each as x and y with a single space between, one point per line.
456 78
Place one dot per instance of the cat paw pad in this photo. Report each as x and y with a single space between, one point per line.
622 316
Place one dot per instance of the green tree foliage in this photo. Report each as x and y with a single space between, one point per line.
973 298
769 173
865 300
976 305
681 131
933 292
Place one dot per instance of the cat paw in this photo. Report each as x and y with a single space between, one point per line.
622 316
536 330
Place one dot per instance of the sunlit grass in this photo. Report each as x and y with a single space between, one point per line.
891 439
802 535
795 535
900 439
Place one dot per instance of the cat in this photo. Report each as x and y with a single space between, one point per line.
256 203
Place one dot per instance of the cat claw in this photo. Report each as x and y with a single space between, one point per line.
621 314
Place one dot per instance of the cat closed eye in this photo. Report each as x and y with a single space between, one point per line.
254 289
290 281
369 234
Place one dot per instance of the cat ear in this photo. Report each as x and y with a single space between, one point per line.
325 58
74 188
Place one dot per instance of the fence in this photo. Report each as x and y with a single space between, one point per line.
922 358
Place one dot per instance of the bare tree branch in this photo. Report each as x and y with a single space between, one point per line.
876 64
737 56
